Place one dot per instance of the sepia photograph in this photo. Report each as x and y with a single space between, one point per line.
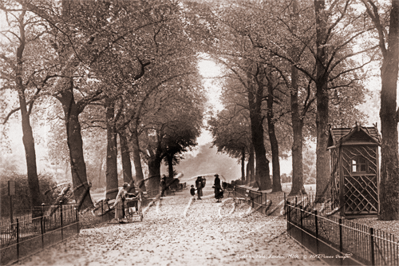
199 132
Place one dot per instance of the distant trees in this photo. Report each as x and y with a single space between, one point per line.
173 123
231 134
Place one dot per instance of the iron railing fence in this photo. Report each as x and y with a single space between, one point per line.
262 198
339 241
25 237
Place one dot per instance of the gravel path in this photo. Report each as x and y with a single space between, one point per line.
168 237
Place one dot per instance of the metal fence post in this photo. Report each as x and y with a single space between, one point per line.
102 211
340 234
340 239
42 229
372 245
17 239
301 211
287 209
77 220
317 231
62 224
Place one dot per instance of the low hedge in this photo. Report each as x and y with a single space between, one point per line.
22 203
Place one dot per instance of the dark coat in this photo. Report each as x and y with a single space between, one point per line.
198 184
218 188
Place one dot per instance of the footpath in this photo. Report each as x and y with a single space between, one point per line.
173 233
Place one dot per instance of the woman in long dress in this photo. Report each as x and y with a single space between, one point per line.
217 188
120 202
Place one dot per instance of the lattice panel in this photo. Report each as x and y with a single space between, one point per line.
368 152
360 190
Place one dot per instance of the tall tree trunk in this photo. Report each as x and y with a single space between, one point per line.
137 159
323 158
170 166
154 179
27 138
111 175
297 121
251 164
243 165
75 144
262 176
72 110
272 137
389 186
126 163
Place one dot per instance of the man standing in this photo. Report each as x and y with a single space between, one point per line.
198 185
217 187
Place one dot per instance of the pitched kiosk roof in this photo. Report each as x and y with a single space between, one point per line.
338 136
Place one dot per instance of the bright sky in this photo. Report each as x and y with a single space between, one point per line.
209 70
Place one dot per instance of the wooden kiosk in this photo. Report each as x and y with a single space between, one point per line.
355 170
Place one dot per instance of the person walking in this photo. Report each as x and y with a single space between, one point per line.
217 188
199 186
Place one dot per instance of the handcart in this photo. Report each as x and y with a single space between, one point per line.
133 208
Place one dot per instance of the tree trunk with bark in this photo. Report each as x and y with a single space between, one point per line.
170 165
262 176
154 179
243 165
137 159
389 185
27 137
297 121
323 157
111 175
75 144
272 137
126 163
251 164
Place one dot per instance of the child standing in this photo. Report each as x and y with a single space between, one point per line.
192 191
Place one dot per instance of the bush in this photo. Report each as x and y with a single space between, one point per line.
22 203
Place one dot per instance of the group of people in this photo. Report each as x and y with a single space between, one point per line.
200 184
